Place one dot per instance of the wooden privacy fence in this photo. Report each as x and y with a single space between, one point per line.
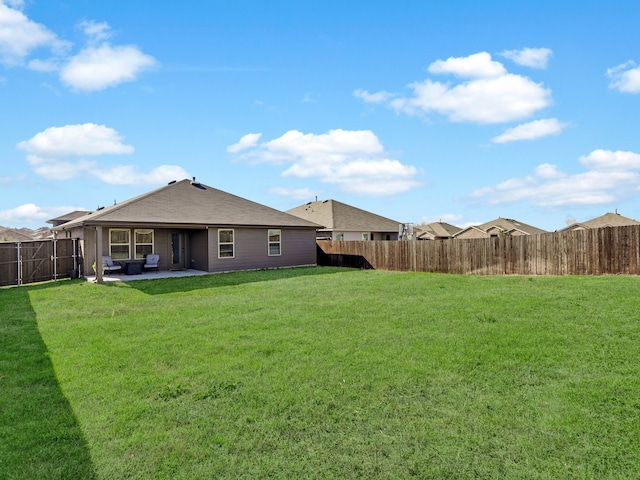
37 261
603 251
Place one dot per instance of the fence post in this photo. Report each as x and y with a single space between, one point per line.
55 257
19 264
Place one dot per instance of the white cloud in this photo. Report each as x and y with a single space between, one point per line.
96 31
478 65
249 140
58 169
32 213
76 140
355 161
612 176
531 130
609 160
625 77
488 93
97 68
547 170
19 36
488 100
529 57
45 66
293 193
54 154
131 175
378 97
13 3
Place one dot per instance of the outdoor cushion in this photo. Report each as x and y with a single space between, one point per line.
108 265
152 261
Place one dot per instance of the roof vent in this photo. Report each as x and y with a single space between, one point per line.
99 208
171 182
197 185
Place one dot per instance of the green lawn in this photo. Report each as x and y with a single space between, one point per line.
322 373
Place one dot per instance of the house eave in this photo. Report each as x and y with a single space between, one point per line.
177 226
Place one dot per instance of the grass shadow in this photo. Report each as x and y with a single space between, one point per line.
39 434
217 280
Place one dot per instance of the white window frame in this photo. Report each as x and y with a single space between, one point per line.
136 244
365 236
270 243
112 244
339 236
232 243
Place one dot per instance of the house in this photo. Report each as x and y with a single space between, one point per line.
12 235
437 231
606 220
67 217
192 225
499 227
344 222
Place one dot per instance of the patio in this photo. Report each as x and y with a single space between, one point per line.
122 277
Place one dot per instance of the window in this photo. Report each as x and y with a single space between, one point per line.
225 244
119 244
339 236
274 242
365 236
143 243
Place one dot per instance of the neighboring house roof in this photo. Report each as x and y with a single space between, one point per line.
437 230
606 220
503 225
188 204
67 217
337 216
471 232
12 235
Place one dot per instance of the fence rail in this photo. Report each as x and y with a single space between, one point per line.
603 251
37 261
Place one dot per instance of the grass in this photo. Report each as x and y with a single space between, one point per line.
322 373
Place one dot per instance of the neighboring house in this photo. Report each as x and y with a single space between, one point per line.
344 222
606 220
12 235
191 225
437 231
500 227
67 217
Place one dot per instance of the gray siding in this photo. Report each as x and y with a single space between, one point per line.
298 247
198 253
161 244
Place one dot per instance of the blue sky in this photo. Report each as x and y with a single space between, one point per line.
416 110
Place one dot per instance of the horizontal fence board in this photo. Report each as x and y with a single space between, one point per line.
602 251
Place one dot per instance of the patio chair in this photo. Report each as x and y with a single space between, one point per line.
152 261
108 265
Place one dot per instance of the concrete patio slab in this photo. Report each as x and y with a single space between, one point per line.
121 277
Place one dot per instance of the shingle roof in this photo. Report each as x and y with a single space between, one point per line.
12 235
438 230
186 203
68 217
336 216
606 220
508 224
